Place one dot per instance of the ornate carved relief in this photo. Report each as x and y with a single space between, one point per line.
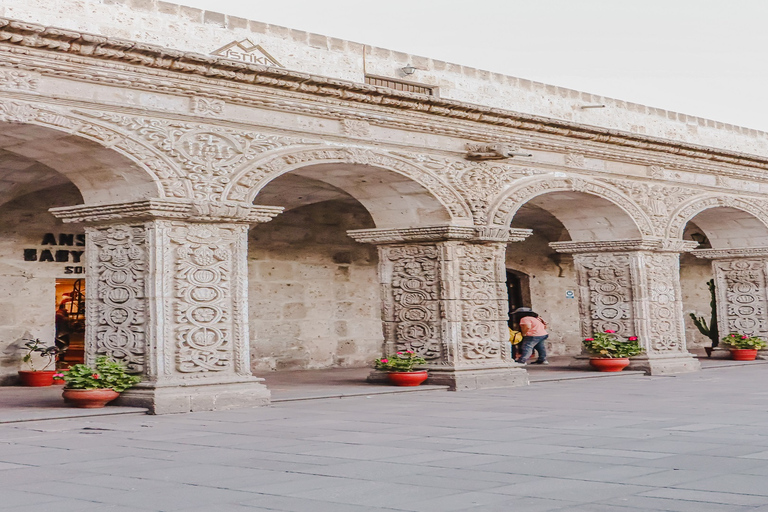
413 299
742 296
204 258
207 106
606 293
207 155
117 265
481 300
575 160
664 303
19 80
355 128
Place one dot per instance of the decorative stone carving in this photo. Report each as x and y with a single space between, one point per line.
755 206
19 80
117 264
575 160
412 307
355 128
207 106
605 288
492 151
438 233
664 302
207 155
203 258
742 293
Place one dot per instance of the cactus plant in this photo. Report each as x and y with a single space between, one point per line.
710 331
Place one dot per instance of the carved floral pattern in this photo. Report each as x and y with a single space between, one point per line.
203 291
413 305
606 293
117 265
19 80
742 294
665 324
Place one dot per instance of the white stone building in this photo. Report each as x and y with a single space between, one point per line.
256 198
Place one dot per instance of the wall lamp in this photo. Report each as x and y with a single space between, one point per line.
408 70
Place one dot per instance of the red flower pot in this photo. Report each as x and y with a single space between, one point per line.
407 378
89 398
609 364
743 354
36 379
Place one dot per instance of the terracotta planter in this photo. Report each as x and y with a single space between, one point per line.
36 379
89 398
407 378
743 354
609 364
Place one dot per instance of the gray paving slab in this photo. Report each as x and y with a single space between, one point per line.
685 443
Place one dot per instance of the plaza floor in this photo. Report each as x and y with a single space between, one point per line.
694 442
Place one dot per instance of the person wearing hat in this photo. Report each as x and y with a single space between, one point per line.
535 334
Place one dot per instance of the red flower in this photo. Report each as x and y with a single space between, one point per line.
743 337
609 331
95 376
589 339
733 335
385 360
58 375
632 338
409 352
399 353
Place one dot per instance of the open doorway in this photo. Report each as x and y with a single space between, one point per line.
70 319
518 292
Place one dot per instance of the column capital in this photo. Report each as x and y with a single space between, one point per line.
167 209
438 234
722 254
630 245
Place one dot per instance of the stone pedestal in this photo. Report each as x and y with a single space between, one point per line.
167 296
633 288
444 294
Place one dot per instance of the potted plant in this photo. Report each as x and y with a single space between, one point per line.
92 388
399 368
743 348
38 376
610 352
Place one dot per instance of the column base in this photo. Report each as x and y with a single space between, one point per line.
170 399
464 379
665 364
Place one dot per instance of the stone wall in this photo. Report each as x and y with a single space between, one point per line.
314 292
27 288
194 30
694 274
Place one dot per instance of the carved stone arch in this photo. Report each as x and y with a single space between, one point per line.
137 171
503 210
687 211
246 185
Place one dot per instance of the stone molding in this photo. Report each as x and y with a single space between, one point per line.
722 254
193 211
17 33
438 234
650 245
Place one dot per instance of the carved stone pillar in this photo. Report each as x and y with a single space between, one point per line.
633 288
444 297
166 293
741 287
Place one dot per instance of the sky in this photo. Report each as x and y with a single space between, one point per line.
707 58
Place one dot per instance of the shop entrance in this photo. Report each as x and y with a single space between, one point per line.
70 319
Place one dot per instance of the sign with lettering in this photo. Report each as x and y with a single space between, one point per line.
59 248
246 51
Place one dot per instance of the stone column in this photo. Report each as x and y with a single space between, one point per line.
741 288
444 297
166 293
633 288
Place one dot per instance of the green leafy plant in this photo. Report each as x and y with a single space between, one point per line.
737 340
608 344
710 331
108 374
400 362
51 354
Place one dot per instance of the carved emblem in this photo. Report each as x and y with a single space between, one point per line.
246 51
207 106
19 80
492 151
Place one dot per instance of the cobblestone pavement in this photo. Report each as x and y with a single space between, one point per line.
696 442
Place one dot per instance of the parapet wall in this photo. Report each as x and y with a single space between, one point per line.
194 30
